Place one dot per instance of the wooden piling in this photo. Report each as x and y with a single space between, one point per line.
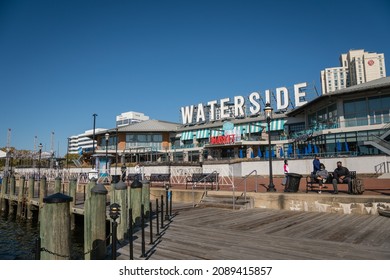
4 186
121 199
30 196
146 197
136 201
95 222
42 189
55 227
72 193
57 185
21 197
11 198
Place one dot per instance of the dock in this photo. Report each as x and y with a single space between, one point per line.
263 234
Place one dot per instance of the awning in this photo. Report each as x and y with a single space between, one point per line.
277 125
203 133
254 127
215 132
187 135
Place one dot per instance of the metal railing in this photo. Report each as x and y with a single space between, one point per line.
214 173
243 180
383 167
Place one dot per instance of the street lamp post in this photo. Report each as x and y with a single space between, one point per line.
93 140
107 136
39 160
268 114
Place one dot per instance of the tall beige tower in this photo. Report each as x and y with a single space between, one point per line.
357 67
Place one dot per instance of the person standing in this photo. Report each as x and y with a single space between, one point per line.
138 171
316 164
286 170
341 175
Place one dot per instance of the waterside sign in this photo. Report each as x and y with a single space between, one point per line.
225 108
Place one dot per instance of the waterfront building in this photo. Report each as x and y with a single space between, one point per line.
130 118
82 142
353 121
356 67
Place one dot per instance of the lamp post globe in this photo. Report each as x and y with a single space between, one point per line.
268 115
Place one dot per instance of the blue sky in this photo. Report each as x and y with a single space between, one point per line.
61 61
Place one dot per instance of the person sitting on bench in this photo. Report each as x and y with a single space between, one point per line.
321 176
341 175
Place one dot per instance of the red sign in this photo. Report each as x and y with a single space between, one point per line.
227 139
370 62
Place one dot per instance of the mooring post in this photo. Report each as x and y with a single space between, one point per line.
42 190
166 202
136 201
30 196
72 193
11 197
21 197
55 227
146 197
4 186
121 199
95 217
57 185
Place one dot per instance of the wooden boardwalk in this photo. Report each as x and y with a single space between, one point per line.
217 234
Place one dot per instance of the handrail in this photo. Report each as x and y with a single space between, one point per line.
243 179
380 141
378 168
194 184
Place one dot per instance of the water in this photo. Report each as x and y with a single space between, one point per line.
17 238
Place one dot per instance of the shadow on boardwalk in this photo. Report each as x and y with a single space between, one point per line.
218 234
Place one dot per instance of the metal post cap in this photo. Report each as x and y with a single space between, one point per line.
120 186
99 189
57 198
136 184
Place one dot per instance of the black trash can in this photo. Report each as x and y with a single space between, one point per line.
292 184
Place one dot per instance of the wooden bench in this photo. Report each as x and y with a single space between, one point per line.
160 177
205 178
313 184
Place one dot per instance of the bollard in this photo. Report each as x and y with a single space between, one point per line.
143 255
170 201
30 196
121 199
131 249
57 185
136 201
157 220
162 212
150 223
21 198
166 203
55 227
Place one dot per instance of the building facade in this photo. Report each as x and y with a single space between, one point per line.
356 67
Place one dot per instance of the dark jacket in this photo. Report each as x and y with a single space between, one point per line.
316 165
342 171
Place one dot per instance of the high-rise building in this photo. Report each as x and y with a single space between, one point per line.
129 118
357 67
83 142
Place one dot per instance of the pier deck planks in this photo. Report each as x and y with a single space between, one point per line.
212 233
